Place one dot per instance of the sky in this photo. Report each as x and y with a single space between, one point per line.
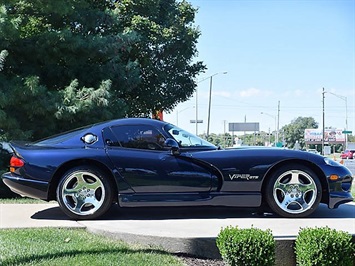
276 53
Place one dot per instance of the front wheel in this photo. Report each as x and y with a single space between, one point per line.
84 193
293 191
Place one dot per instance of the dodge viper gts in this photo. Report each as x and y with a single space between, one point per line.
145 162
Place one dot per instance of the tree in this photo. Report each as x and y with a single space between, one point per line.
166 47
351 138
294 132
69 63
63 57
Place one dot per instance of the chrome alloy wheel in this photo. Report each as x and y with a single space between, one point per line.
83 193
295 191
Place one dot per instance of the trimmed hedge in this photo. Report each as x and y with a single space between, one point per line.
246 246
324 246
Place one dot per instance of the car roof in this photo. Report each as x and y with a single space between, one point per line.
132 121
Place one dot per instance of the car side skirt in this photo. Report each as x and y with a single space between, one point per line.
252 199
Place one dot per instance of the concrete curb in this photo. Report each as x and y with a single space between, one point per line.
200 247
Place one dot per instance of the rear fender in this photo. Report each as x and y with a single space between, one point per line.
71 164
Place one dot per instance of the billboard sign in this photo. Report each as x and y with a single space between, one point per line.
243 127
333 136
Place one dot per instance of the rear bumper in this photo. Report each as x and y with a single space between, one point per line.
26 187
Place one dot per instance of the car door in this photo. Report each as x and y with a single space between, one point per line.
140 156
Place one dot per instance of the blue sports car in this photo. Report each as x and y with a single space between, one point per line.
144 162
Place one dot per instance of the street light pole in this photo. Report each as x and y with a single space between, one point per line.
323 129
278 123
209 107
344 98
209 103
196 114
276 129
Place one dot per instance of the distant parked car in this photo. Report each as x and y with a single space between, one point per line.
347 154
5 147
313 151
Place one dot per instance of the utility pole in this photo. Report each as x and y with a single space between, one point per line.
278 122
323 130
209 108
196 114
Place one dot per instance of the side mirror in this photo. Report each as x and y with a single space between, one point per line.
175 132
173 145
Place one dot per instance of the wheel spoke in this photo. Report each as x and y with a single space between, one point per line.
94 202
289 201
282 187
302 203
285 202
69 192
79 205
307 187
295 178
91 202
81 182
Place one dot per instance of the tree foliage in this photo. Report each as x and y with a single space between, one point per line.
67 63
166 47
294 133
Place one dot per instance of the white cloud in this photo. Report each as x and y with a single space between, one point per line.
250 93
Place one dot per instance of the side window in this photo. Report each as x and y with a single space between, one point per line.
139 137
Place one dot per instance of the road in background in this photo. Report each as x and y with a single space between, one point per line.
350 164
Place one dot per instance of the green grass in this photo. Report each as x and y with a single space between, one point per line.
77 247
21 200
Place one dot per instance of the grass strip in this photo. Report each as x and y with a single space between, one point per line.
58 246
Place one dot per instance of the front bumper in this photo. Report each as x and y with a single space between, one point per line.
340 190
26 187
336 199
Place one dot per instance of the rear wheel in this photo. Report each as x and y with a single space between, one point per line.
293 191
84 193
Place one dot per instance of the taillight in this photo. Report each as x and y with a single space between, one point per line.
15 162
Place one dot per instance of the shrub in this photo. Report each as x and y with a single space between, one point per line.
324 246
246 246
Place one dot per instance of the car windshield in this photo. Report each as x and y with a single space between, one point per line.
186 139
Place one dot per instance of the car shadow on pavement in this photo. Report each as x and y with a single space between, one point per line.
165 213
53 213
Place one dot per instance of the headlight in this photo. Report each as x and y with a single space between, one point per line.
331 162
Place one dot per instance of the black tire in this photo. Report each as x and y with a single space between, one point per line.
293 191
84 193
